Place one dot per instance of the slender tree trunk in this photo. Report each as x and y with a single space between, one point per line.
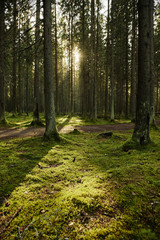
133 64
36 70
141 130
2 89
97 80
56 63
112 63
27 72
71 67
93 65
107 63
20 96
126 61
152 91
83 64
51 130
14 55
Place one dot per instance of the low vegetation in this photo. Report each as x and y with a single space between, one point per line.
84 187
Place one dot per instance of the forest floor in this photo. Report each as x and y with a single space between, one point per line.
84 187
25 132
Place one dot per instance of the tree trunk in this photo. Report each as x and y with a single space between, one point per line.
112 63
20 95
14 55
93 75
71 67
107 63
133 64
2 98
27 71
126 61
152 91
56 64
83 65
36 70
50 130
141 130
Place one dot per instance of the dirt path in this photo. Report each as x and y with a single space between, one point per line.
9 133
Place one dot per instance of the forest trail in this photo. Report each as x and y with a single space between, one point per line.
9 133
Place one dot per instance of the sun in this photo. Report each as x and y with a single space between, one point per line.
76 55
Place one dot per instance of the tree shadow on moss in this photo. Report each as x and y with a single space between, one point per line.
17 159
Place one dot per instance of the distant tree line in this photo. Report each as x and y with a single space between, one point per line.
95 58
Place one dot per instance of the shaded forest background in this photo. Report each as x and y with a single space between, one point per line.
95 57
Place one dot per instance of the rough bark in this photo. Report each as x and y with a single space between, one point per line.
51 130
2 96
141 131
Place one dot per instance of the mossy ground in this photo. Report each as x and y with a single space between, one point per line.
84 188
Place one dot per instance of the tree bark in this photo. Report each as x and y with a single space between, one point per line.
51 130
2 89
141 131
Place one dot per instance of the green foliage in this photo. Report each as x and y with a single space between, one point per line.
83 187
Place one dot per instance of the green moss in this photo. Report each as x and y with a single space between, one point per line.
80 188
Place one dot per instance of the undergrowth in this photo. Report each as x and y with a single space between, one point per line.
83 187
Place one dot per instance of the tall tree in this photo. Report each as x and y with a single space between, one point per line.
142 131
2 99
14 55
56 63
93 64
152 91
36 70
133 63
112 61
107 62
51 130
126 56
27 69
